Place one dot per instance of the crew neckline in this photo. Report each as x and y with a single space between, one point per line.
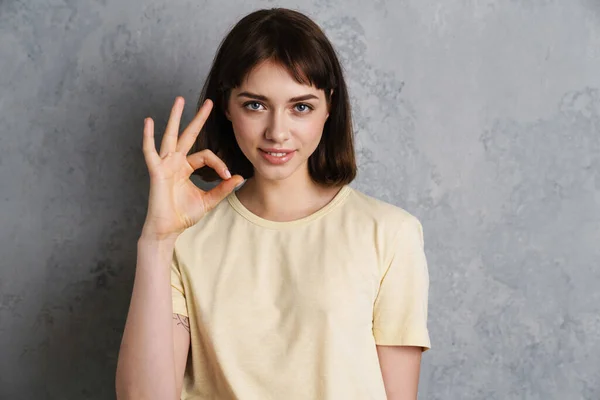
237 205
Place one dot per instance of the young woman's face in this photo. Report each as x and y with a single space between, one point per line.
271 111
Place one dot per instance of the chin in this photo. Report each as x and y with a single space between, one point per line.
276 173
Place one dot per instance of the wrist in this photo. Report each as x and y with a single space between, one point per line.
151 239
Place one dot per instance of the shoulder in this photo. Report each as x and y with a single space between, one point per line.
395 226
382 212
394 231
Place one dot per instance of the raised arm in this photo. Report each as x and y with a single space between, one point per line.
156 342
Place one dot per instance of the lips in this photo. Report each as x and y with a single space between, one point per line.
277 160
276 150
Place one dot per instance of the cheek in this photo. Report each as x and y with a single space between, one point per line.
312 131
245 129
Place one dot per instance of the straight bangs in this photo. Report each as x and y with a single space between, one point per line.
284 44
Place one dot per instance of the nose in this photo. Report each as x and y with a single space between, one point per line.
278 130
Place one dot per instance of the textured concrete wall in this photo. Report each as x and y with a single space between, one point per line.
480 117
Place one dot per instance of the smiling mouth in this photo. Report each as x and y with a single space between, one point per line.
277 158
278 153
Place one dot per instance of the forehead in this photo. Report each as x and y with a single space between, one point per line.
271 75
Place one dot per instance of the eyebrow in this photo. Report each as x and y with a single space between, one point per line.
265 98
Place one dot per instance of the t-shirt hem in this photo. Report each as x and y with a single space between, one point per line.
180 311
419 338
178 302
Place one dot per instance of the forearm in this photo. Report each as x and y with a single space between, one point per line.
400 367
146 365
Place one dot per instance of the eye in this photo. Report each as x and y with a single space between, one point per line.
252 103
308 108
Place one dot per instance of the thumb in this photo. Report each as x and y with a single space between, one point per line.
222 190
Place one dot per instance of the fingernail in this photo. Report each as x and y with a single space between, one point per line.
227 173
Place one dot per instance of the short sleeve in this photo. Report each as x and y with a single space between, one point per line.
400 309
177 289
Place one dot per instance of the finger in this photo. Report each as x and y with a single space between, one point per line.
149 146
189 135
219 192
169 140
208 158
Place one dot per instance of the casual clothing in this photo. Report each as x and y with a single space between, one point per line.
294 310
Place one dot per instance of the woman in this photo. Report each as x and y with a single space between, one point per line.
295 286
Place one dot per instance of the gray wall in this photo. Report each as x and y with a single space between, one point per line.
480 117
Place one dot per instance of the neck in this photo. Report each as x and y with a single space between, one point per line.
284 200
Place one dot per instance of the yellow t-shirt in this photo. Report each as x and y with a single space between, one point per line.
294 310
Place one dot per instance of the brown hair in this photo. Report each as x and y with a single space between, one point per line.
294 41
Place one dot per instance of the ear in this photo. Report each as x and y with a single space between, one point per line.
328 106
